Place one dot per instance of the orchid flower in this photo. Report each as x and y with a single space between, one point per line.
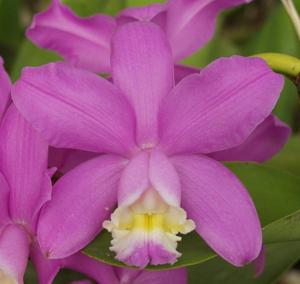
159 139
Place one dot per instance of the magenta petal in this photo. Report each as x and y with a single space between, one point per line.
14 251
82 200
23 161
142 67
259 262
4 200
73 108
83 42
182 71
153 12
221 207
219 108
184 15
100 272
174 276
65 160
263 143
134 180
46 269
5 86
164 178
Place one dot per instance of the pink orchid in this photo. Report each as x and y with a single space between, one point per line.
159 139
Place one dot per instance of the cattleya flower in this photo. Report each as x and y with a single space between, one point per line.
158 141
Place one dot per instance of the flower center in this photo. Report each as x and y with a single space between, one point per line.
145 232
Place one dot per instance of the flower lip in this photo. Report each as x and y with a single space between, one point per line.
145 232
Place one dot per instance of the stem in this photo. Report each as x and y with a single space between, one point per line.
282 63
291 10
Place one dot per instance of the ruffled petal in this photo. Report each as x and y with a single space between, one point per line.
5 86
220 107
82 200
76 109
184 15
142 67
221 207
14 251
263 143
23 161
83 42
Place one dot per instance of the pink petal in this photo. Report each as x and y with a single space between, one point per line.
134 180
176 276
142 67
155 13
221 207
83 42
67 159
4 201
164 178
5 86
14 251
259 262
182 71
184 15
82 200
23 160
73 108
219 108
264 142
100 272
46 269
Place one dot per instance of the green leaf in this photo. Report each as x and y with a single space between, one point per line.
142 2
279 258
89 7
30 55
278 35
10 27
289 158
288 104
276 196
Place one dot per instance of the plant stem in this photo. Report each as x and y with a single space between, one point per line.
291 10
